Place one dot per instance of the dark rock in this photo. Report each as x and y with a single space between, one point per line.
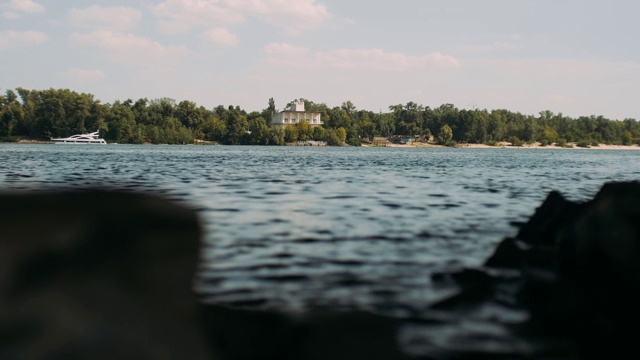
517 254
536 240
599 258
474 286
542 227
243 334
579 274
603 239
99 275
510 253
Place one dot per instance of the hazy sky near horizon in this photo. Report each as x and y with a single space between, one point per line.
577 57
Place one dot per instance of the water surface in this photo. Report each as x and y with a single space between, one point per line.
298 227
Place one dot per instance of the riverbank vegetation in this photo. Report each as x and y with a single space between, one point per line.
41 114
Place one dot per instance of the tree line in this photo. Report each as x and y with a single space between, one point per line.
41 114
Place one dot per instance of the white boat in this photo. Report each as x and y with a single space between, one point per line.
90 138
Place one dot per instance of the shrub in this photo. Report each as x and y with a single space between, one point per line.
332 138
515 141
354 142
445 135
9 139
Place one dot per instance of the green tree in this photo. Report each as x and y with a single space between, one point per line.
384 125
189 114
122 127
238 128
258 131
367 129
342 134
50 115
332 138
319 133
348 106
213 129
11 113
276 135
26 127
305 131
290 133
445 135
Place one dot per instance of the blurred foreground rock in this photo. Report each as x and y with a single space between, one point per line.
98 275
318 335
575 269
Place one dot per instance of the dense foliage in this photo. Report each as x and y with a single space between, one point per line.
41 114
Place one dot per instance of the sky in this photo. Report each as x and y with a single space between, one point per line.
578 58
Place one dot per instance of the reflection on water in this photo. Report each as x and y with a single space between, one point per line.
293 227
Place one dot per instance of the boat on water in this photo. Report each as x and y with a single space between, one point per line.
90 138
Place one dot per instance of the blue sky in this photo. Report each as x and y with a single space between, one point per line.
574 57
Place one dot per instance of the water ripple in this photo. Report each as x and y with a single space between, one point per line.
290 228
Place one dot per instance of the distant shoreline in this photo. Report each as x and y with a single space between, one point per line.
502 145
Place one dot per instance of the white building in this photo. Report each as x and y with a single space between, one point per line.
294 113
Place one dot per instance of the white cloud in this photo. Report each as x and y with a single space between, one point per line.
281 50
127 48
293 15
14 8
10 15
118 18
83 74
372 59
26 6
559 68
221 36
561 99
13 39
488 48
378 59
178 16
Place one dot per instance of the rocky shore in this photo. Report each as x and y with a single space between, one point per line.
573 269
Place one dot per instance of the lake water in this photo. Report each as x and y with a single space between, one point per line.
298 227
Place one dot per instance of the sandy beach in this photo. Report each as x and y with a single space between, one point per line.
506 145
